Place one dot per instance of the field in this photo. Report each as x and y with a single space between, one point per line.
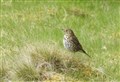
32 48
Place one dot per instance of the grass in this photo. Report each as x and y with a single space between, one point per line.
31 41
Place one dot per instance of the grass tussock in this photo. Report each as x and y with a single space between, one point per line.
3 73
42 63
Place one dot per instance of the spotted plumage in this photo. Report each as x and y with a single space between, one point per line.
71 42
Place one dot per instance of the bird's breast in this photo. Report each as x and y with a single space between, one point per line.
67 43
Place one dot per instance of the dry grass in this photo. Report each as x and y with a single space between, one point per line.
40 62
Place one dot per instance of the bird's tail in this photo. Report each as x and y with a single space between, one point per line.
86 53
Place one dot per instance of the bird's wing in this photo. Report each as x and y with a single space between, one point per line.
76 43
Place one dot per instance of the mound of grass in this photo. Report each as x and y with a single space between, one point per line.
39 62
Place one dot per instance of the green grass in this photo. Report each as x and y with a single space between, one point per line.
31 40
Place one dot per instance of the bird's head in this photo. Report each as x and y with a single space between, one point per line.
68 32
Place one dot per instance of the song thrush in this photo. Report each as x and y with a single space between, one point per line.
71 42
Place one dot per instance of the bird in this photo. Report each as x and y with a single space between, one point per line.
71 42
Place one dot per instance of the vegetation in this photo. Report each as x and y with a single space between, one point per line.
31 41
